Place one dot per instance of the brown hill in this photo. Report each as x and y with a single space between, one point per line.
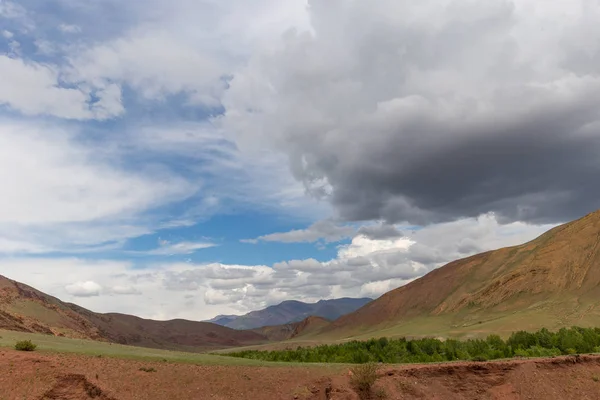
23 308
292 330
552 281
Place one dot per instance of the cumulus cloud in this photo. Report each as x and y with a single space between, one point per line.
364 267
427 111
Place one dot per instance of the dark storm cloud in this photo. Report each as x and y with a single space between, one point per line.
380 232
427 112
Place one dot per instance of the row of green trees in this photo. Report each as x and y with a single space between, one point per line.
542 343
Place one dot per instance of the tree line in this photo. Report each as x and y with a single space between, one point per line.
542 343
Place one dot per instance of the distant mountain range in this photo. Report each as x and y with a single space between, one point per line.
291 311
222 320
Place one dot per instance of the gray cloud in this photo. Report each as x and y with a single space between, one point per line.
322 230
380 232
329 231
413 111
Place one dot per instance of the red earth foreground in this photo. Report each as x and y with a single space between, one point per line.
43 376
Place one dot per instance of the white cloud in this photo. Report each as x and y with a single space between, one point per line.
47 177
364 267
7 34
34 89
252 180
326 230
60 193
155 64
9 9
66 28
167 248
329 231
376 105
84 289
9 246
45 47
334 97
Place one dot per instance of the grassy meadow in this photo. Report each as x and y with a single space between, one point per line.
48 343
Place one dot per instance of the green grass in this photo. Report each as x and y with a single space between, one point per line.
552 314
55 344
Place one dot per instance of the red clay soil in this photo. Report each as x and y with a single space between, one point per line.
38 376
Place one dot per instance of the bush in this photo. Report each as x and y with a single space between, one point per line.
147 369
523 344
363 378
380 394
25 345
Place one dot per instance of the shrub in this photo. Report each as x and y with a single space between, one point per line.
542 343
25 345
380 394
147 369
363 378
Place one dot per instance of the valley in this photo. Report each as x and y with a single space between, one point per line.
551 282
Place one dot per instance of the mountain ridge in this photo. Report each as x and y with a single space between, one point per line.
23 308
291 311
550 281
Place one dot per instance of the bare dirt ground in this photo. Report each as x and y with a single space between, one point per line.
44 376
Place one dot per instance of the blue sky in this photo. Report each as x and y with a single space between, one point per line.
189 158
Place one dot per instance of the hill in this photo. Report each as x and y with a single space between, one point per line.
552 281
293 330
222 320
23 308
292 311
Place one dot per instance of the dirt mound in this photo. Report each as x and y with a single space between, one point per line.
552 281
46 376
75 387
560 378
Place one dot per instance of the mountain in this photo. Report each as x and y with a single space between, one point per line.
552 281
293 311
307 326
222 320
23 308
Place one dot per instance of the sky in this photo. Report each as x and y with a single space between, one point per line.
183 159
